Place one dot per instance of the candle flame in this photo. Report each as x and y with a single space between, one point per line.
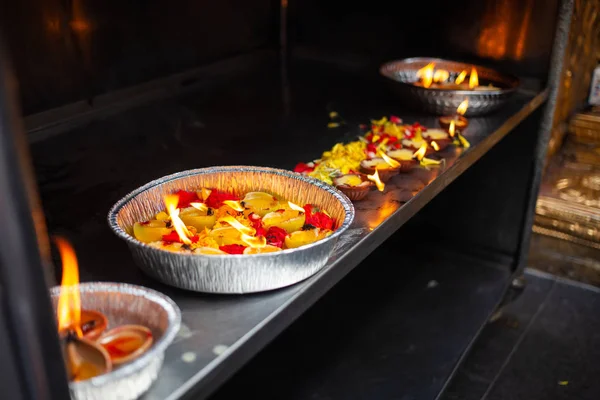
68 311
419 154
452 128
441 75
375 178
464 142
243 229
391 162
256 242
473 79
171 201
234 204
435 146
295 206
204 193
426 74
199 206
461 77
462 107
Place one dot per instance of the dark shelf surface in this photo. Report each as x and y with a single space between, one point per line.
544 346
249 120
387 331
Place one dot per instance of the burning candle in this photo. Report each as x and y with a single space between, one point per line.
84 351
458 119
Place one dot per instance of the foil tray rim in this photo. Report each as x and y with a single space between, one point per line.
341 197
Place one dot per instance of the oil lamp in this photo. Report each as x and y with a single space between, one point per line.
88 349
460 122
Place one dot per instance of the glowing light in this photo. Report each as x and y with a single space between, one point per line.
419 154
247 230
199 206
435 146
234 204
473 79
441 75
375 178
256 242
426 74
69 301
171 201
390 161
295 206
461 77
462 107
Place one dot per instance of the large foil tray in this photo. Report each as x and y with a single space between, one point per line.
231 273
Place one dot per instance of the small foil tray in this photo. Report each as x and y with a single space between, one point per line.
403 73
231 273
125 304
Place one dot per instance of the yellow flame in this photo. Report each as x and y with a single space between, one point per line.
204 193
171 201
441 75
435 146
425 162
426 74
452 128
68 311
473 79
295 206
256 242
199 206
247 230
234 204
461 77
462 107
375 178
391 162
465 143
419 154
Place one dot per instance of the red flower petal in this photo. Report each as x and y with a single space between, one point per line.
185 198
233 248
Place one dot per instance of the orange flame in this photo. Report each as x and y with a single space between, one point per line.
441 75
462 108
256 242
419 154
426 74
375 178
171 201
234 204
452 128
68 311
473 79
435 146
243 229
204 193
295 207
199 206
461 77
390 161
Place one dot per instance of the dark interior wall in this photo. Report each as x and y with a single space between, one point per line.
69 50
515 35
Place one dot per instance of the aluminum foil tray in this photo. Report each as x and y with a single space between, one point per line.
231 273
127 304
403 73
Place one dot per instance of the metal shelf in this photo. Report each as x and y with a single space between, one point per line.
249 121
395 327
